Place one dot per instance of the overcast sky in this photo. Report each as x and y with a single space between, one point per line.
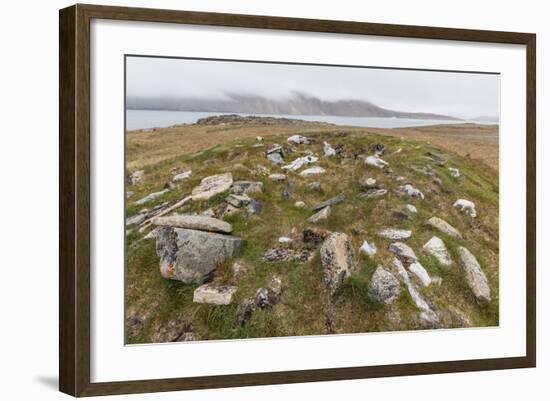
462 95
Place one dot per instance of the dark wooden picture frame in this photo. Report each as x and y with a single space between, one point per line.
74 202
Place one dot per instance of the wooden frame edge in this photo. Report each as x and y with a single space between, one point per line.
74 199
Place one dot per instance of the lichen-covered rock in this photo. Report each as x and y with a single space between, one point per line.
444 227
211 186
475 277
202 223
247 187
191 256
238 201
174 331
337 261
214 294
265 297
436 247
420 272
136 177
384 287
320 215
395 233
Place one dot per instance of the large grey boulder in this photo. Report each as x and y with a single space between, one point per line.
191 255
202 223
475 277
337 261
214 294
211 186
384 287
444 227
436 247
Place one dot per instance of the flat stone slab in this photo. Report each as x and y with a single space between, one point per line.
475 277
403 252
182 176
214 294
330 202
395 233
444 227
436 247
151 197
320 215
211 186
202 223
308 172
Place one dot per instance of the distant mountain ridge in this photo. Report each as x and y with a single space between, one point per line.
297 104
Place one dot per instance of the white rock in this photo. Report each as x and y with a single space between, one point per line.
328 149
211 186
285 240
299 204
297 139
182 176
475 277
212 294
259 138
466 206
277 177
136 177
436 247
411 191
444 227
454 172
427 313
298 163
395 233
419 271
411 208
369 249
312 171
375 161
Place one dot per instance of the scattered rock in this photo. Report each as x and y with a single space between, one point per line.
375 161
151 197
369 249
191 256
298 139
411 191
169 185
284 240
436 247
420 272
182 176
137 219
202 223
211 186
337 261
277 177
298 163
312 171
330 202
262 169
328 149
129 194
247 187
403 252
444 227
373 192
153 234
454 172
320 215
411 208
377 148
238 201
214 294
253 207
467 207
368 183
299 204
395 233
266 297
384 287
239 269
475 277
259 138
275 154
427 313
136 177
314 186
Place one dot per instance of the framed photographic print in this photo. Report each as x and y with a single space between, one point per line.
280 200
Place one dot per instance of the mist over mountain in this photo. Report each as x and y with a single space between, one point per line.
297 104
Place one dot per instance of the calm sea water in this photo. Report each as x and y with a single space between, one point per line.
143 119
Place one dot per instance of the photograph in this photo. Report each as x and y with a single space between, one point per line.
272 199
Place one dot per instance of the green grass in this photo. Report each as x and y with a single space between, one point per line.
303 308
